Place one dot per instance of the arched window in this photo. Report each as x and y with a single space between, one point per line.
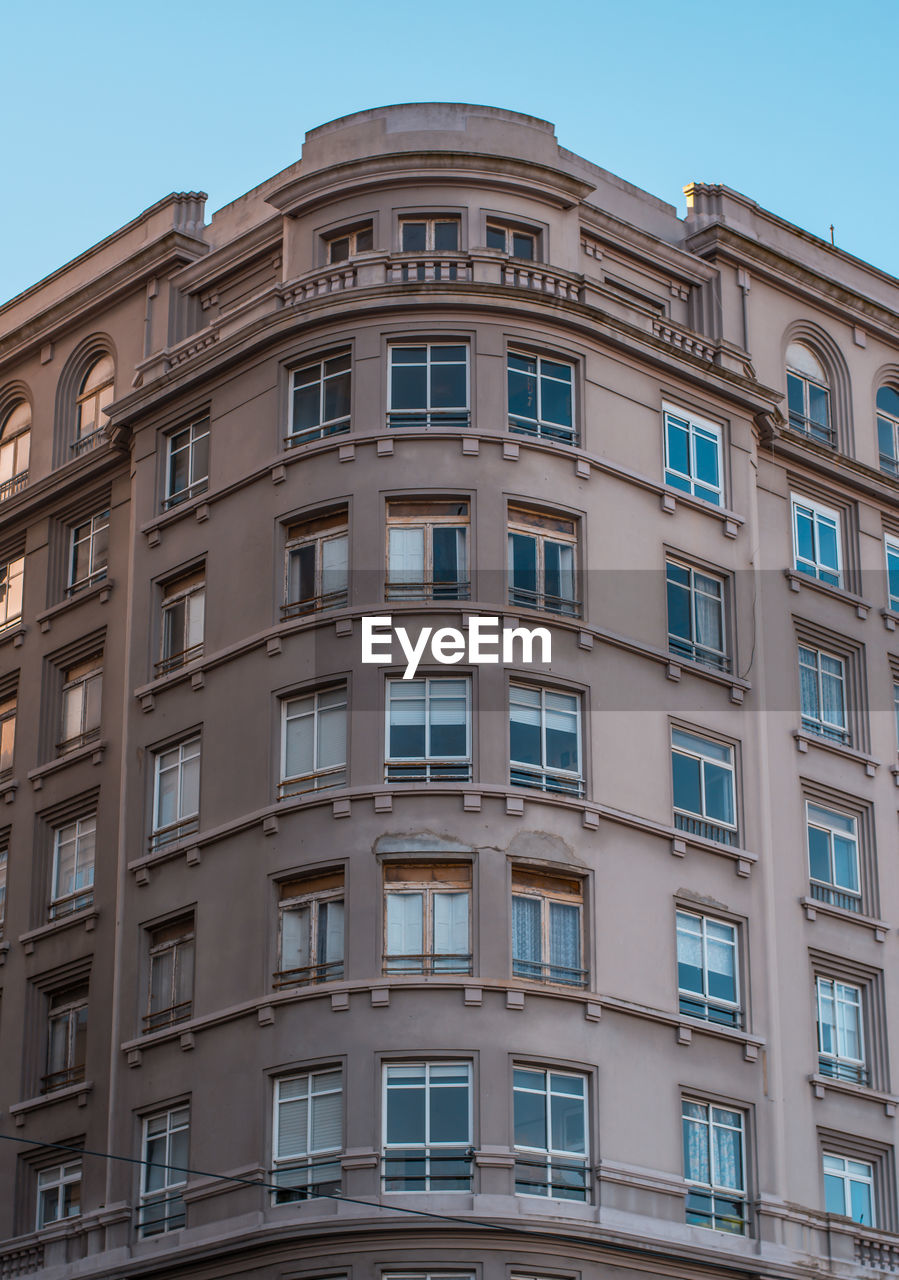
888 430
95 393
15 442
808 395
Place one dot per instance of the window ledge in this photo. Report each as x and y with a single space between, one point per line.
87 916
14 635
804 740
821 1084
100 590
9 787
813 908
79 1091
93 752
799 580
890 619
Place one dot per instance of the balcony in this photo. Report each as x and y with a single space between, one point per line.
706 830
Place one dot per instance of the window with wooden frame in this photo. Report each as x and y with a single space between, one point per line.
8 707
320 399
82 692
341 245
542 561
427 917
4 857
313 741
170 982
176 792
187 462
548 927
95 395
89 543
310 929
12 574
316 564
15 449
518 242
74 853
66 1037
183 620
427 549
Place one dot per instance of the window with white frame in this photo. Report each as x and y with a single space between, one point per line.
703 782
310 929
307 1135
163 1175
896 708
547 927
170 986
58 1193
429 385
715 1166
427 550
822 693
808 395
542 561
551 1135
694 455
187 462
176 792
89 551
313 741
427 1127
15 449
429 730
849 1188
891 546
7 734
541 396
66 1037
81 694
518 242
183 620
11 578
841 1041
346 244
833 857
4 854
427 913
74 851
545 739
696 615
436 234
316 564
888 430
816 541
708 969
320 398
94 398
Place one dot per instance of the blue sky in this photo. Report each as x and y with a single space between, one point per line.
109 106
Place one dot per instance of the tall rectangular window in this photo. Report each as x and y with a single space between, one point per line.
833 857
164 1155
891 546
547 927
310 929
66 1037
183 620
11 577
4 855
545 739
307 1135
81 694
429 385
849 1189
541 397
694 456
320 399
58 1193
316 565
822 693
170 989
427 550
74 847
696 626
703 783
542 562
187 462
427 1127
7 734
715 1166
313 741
551 1138
428 730
427 910
89 550
841 1047
816 541
707 969
176 798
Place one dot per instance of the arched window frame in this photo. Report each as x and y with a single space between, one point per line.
808 396
827 355
887 417
80 393
15 446
96 392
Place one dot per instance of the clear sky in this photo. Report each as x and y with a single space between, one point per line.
109 104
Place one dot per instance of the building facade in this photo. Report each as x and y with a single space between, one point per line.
552 968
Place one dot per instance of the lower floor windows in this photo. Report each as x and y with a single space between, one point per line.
714 1166
308 1135
849 1189
58 1193
551 1145
427 1127
163 1171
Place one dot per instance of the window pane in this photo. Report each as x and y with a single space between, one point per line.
307 407
568 1124
406 1111
407 722
448 386
449 1111
404 924
298 747
530 1116
409 386
687 787
337 397
414 236
678 446
719 793
556 401
496 237
446 236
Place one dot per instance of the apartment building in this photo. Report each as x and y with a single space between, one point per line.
555 968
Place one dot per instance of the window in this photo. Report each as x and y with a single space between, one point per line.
427 1127
822 694
346 244
183 620
714 1166
833 857
888 430
547 933
896 708
703 784
176 799
429 386
7 735
511 240
696 627
163 1171
541 397
434 236
892 558
841 1049
816 541
307 1136
4 853
849 1188
428 730
707 966
316 565
427 909
15 447
58 1193
427 550
187 462
320 399
74 847
170 988
66 1038
313 741
310 929
808 397
11 575
90 546
94 396
551 1141
544 739
542 562
81 694
694 456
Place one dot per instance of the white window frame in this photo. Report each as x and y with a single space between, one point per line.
426 415
690 647
96 525
543 428
15 449
88 673
731 1009
320 531
509 232
544 776
57 1178
825 728
813 430
70 1010
8 714
12 575
430 220
186 822
174 1180
429 517
891 422
325 426
847 1177
523 522
427 767
315 970
314 1160
715 1189
694 425
196 432
546 894
820 515
551 1158
188 589
696 823
78 897
179 945
891 552
321 777
834 890
352 239
430 960
838 1063
439 1152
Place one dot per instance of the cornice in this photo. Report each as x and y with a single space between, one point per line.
229 257
645 248
76 475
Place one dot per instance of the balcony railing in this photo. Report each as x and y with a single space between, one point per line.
180 659
60 907
880 1255
427 268
13 485
820 431
540 971
698 653
315 604
544 430
428 965
307 1181
544 780
59 1079
320 780
419 419
843 1069
555 1178
159 1213
457 589
707 830
85 443
335 428
523 598
835 897
169 1016
79 740
184 495
308 974
723 1015
438 1170
430 771
163 836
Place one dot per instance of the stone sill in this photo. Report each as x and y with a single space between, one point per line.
87 916
101 590
799 580
20 1110
813 908
824 1084
92 751
804 740
14 635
